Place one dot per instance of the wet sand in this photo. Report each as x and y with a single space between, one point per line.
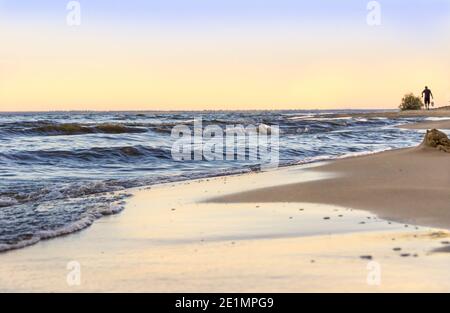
441 124
439 112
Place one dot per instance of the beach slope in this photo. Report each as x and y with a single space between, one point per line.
408 186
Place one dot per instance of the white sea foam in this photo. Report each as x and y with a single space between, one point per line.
4 201
302 117
86 220
22 244
437 119
324 118
344 156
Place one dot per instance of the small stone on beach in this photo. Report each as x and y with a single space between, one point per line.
405 255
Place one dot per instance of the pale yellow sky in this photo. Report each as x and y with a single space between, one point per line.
46 68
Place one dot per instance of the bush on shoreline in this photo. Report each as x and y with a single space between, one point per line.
411 102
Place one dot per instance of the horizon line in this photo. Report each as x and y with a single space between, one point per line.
205 110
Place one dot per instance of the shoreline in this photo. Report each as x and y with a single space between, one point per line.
438 112
82 225
169 240
445 124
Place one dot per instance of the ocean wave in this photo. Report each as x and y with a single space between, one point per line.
78 129
19 195
6 201
45 230
123 154
301 117
47 128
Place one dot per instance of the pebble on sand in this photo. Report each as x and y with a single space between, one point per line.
405 255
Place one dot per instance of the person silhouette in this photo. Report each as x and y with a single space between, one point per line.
427 95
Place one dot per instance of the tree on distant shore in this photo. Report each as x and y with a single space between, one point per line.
411 102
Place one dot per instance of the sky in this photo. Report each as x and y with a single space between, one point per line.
221 54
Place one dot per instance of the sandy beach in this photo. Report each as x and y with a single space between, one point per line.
322 227
168 241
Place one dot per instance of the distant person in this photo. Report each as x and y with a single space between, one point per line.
427 95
